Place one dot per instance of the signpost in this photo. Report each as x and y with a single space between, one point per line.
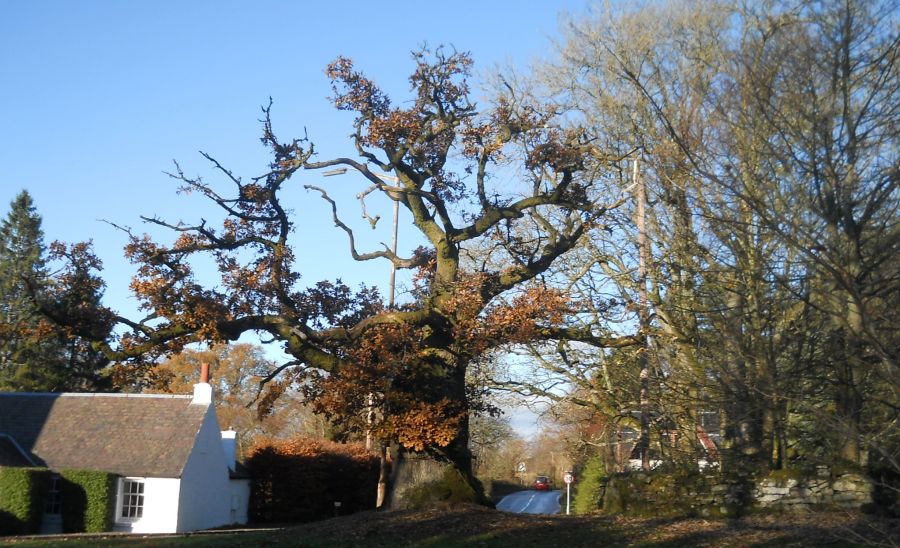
568 477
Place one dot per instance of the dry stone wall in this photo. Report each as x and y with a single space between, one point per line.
660 494
848 490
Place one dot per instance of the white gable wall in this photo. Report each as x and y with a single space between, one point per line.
206 493
160 513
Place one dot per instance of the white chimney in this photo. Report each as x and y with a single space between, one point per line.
203 392
229 447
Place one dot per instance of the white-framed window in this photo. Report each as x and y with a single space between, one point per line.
131 499
53 502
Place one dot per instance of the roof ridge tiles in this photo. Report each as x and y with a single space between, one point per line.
94 395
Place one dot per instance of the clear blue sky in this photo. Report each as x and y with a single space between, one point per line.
98 98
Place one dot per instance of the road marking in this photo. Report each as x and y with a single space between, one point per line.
543 502
528 503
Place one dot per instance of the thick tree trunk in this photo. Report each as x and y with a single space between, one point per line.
849 410
744 412
418 480
849 405
443 474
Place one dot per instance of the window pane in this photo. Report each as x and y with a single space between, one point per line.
54 498
132 499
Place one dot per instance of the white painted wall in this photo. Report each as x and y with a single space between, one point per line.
240 500
160 507
204 496
637 464
206 490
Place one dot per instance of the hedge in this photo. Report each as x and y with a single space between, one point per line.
589 487
301 479
22 492
88 501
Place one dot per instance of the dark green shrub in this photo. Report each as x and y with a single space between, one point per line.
588 489
22 493
88 501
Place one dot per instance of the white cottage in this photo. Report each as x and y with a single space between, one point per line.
177 471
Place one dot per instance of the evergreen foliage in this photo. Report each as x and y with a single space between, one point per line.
21 494
88 501
36 354
588 489
23 347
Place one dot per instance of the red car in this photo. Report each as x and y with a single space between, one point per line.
542 483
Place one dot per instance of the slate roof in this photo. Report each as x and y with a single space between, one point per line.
126 434
11 454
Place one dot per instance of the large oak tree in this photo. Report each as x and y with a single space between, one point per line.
402 372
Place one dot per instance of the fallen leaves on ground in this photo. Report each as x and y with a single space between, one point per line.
478 526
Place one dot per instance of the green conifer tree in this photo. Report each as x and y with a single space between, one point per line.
25 350
37 354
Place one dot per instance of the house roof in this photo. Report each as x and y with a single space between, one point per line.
11 454
126 434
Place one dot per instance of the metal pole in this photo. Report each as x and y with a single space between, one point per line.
568 496
394 251
381 491
382 474
643 317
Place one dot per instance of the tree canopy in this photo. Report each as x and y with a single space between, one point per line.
235 371
767 139
352 354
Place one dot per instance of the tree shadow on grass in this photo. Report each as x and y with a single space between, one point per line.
474 526
825 529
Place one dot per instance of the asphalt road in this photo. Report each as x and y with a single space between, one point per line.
531 502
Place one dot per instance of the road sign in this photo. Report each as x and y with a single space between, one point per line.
568 477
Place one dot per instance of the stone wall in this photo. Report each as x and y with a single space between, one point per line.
694 494
848 490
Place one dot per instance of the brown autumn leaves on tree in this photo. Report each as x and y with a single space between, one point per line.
351 354
235 371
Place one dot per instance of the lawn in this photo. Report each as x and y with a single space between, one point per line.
458 526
